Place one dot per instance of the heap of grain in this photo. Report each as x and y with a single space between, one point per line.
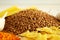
29 19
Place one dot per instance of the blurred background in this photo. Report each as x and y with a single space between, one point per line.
52 6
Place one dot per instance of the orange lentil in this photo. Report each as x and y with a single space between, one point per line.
8 36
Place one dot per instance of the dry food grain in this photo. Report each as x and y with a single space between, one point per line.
29 19
8 36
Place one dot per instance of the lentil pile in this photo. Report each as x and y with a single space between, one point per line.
8 36
29 19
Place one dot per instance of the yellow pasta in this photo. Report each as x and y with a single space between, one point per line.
10 11
51 33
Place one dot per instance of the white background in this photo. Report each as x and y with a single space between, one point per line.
46 5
